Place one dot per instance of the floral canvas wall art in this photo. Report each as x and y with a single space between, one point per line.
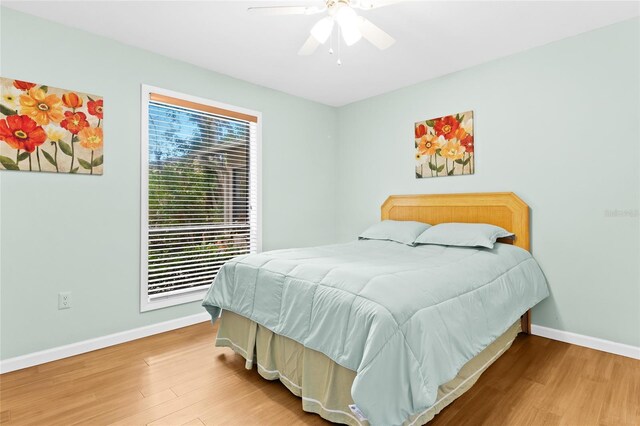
46 129
444 146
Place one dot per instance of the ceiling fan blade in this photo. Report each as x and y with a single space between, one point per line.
374 34
285 10
373 4
309 46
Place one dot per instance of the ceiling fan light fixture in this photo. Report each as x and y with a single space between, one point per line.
322 29
347 18
351 27
350 35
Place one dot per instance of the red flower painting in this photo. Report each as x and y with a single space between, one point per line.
467 143
446 126
47 129
22 132
74 121
95 108
445 146
23 85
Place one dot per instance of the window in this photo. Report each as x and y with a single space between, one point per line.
200 193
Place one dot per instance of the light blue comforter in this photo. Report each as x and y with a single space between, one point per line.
406 319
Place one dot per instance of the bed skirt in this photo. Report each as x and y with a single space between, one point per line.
325 386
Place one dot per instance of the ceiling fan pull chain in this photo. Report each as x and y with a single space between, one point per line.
339 61
331 44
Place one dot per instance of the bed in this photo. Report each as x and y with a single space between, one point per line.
377 332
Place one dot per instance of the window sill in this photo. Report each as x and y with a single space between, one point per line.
147 304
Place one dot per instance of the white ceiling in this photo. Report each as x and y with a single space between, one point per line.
433 38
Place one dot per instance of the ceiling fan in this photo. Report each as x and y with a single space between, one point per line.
351 26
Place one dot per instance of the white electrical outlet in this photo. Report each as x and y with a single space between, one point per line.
64 300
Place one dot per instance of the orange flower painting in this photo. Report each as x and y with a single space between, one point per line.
46 129
41 106
444 146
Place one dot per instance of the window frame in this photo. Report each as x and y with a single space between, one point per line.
172 300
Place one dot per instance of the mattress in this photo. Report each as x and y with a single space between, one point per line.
324 386
368 305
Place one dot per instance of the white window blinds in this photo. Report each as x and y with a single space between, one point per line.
201 193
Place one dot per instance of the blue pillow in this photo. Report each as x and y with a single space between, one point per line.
402 231
463 235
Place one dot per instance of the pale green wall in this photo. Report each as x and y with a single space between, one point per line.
558 125
81 233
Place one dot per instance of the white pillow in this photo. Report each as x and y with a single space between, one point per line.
463 235
402 231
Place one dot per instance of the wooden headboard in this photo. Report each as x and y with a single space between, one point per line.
503 209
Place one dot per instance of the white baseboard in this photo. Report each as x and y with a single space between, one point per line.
587 341
48 355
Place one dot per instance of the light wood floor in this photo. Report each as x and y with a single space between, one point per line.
180 378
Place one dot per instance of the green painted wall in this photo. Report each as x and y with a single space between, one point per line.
558 125
81 233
